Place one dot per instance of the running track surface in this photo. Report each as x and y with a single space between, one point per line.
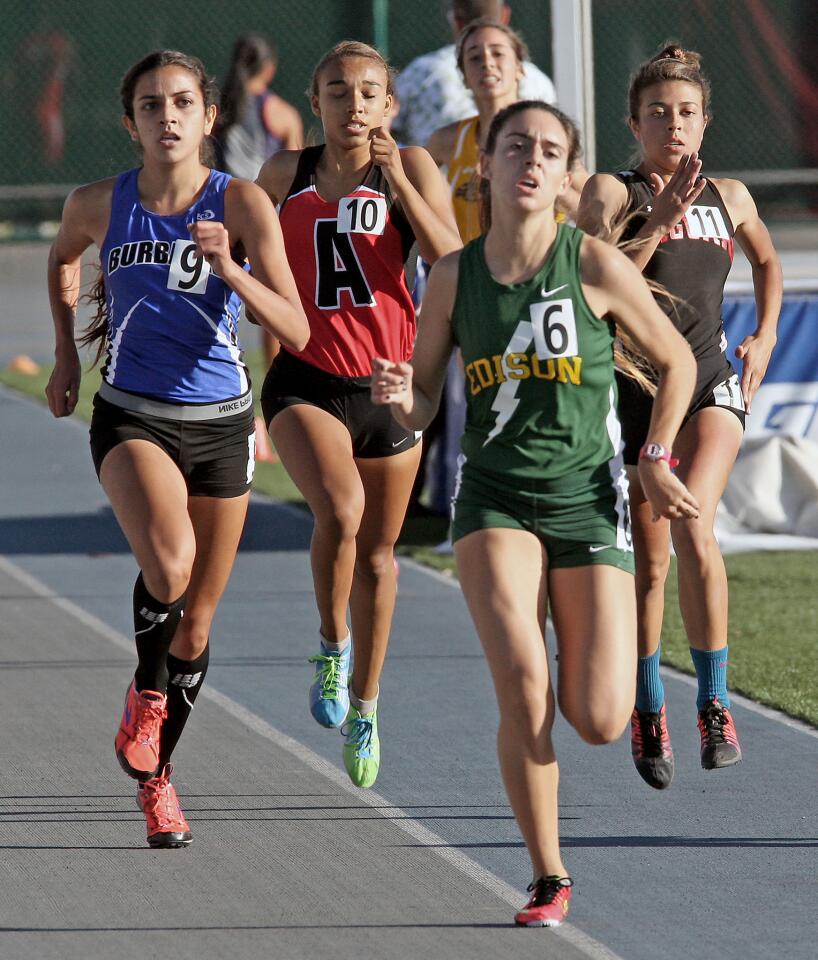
289 860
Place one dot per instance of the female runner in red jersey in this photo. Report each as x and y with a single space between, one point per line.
351 209
682 227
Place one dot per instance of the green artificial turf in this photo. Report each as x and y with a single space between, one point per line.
773 596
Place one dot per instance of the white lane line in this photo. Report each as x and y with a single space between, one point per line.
767 712
396 815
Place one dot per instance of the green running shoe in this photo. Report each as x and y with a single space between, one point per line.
362 748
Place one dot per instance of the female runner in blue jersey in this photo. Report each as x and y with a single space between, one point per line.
680 229
172 430
540 517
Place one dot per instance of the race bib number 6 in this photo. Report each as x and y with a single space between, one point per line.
555 329
362 215
188 272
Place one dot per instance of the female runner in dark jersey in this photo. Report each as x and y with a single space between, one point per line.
682 228
172 430
540 515
350 211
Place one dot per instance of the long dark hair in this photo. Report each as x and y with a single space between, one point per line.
497 124
97 330
250 53
626 357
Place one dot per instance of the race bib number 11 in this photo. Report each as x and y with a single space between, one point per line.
362 215
188 273
705 222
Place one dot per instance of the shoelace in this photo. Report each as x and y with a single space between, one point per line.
359 732
330 675
649 736
149 714
546 889
161 803
714 721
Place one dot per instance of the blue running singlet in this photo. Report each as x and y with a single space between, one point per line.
172 323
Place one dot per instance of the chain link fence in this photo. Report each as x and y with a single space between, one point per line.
760 56
61 64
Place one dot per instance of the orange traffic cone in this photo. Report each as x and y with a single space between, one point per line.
23 364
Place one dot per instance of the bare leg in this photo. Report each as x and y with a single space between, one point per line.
502 574
387 483
707 447
651 547
316 450
217 524
594 614
149 498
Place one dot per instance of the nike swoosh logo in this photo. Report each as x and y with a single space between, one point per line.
605 546
399 442
547 293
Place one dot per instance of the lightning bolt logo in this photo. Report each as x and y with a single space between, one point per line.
506 402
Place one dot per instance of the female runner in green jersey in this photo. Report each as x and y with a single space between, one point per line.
541 512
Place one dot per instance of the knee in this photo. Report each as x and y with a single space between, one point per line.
600 730
598 725
191 637
340 519
694 543
526 719
167 577
375 563
651 572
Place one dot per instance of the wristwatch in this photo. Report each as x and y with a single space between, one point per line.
655 451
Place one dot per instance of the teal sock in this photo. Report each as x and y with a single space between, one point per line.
711 672
650 691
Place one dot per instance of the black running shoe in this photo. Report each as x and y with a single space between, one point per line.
720 746
650 748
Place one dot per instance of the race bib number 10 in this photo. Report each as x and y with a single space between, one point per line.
362 215
188 272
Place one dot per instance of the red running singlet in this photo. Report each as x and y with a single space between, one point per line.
348 260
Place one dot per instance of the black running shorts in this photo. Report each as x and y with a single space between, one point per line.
216 457
374 431
636 406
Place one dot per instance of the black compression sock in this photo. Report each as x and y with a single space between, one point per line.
155 624
186 679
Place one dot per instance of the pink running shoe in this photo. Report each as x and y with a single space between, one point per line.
137 741
548 905
167 827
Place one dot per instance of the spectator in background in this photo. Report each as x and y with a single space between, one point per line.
254 123
431 89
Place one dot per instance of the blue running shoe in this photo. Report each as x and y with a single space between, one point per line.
329 696
362 747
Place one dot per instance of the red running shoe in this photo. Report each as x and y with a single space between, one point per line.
166 823
650 748
137 741
719 738
548 905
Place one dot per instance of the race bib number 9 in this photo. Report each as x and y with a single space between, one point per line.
188 272
362 215
555 329
705 223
